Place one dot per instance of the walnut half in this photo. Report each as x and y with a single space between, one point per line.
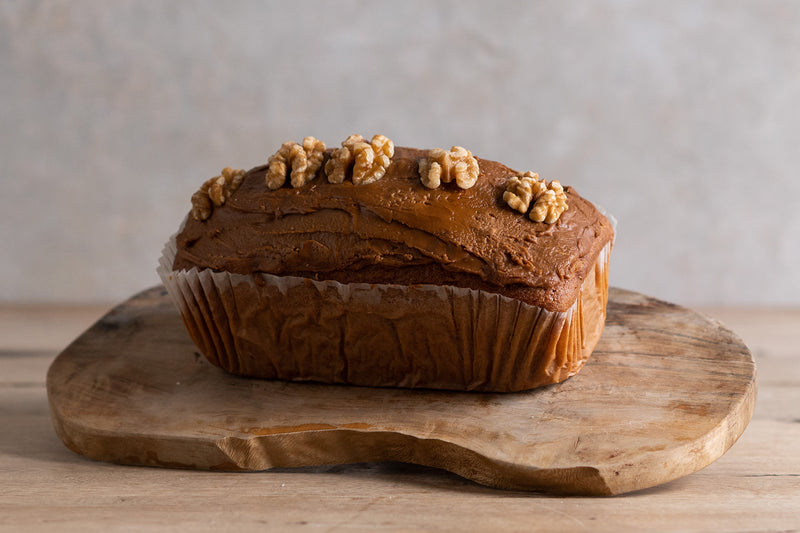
368 161
443 167
549 204
215 192
549 200
303 160
520 191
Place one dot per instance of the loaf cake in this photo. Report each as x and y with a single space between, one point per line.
377 265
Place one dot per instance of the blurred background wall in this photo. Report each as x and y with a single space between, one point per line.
681 118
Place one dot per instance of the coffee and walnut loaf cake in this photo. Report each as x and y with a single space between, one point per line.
377 265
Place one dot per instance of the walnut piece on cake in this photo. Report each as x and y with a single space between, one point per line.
215 192
521 190
443 167
372 160
549 200
549 204
368 160
302 160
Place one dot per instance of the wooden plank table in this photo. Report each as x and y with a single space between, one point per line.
44 486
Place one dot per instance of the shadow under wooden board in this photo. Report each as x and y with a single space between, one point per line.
666 392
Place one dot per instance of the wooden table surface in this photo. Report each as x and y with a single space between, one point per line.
44 486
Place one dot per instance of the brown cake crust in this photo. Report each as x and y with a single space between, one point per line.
396 231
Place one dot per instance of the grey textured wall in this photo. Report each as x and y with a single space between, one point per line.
682 118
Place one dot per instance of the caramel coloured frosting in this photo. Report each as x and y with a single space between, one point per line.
397 231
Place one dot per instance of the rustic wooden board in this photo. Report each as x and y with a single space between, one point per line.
666 392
